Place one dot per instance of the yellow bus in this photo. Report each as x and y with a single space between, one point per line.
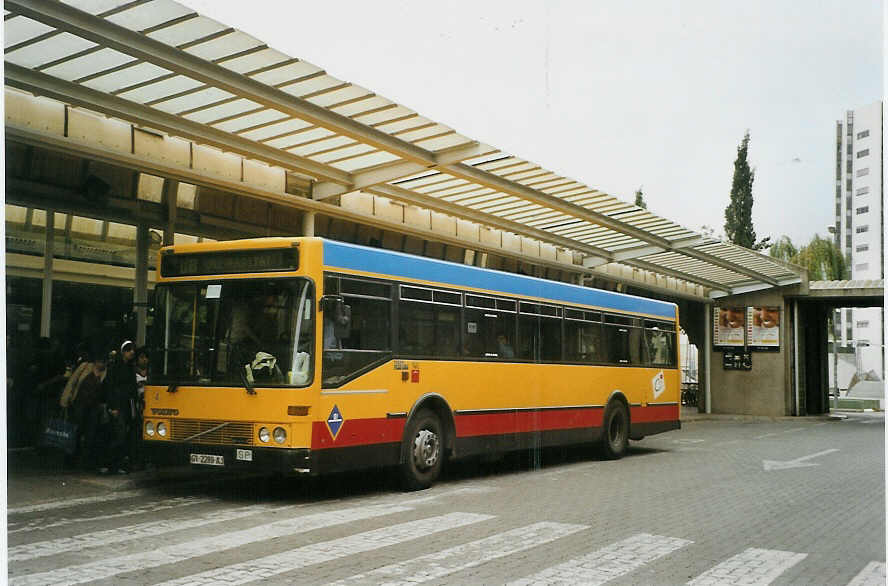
308 356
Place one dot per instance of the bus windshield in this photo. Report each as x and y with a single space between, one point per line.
242 332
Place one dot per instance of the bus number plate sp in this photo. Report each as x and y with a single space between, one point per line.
245 455
208 459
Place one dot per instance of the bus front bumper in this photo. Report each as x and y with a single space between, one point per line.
286 461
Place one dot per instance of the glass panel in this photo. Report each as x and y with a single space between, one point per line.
256 332
190 101
161 89
359 337
427 330
660 347
48 50
149 14
126 77
230 44
187 31
89 64
582 342
19 29
539 338
488 335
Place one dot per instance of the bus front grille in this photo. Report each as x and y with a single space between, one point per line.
211 432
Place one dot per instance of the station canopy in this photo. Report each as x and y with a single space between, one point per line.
158 64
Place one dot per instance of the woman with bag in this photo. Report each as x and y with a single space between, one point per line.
86 411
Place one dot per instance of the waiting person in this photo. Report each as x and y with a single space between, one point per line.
122 396
87 411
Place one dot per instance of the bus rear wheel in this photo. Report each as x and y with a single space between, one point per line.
615 432
423 451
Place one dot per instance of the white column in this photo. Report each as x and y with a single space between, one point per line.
308 223
48 251
171 197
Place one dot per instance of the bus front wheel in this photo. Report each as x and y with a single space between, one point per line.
615 432
424 452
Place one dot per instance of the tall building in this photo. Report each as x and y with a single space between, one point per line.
859 226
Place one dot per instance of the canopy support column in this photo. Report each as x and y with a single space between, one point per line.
140 292
48 251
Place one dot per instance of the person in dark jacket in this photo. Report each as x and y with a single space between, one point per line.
122 397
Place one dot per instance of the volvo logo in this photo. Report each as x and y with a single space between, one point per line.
164 411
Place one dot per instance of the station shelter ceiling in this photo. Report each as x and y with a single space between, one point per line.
167 71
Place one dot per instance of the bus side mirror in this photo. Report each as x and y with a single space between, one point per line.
337 313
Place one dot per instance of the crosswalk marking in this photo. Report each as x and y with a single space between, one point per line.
873 574
753 567
316 553
129 533
448 561
68 503
179 552
609 562
166 504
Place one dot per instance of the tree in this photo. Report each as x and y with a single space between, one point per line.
784 249
821 257
823 260
738 214
639 199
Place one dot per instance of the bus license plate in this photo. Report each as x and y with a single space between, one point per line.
208 459
245 455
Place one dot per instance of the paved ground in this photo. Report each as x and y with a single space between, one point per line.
723 501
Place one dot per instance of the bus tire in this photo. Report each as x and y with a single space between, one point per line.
615 431
423 451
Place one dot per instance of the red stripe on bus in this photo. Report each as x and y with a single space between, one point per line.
525 421
358 432
653 413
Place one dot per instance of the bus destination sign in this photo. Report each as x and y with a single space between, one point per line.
229 262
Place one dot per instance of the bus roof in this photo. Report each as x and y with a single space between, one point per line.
377 261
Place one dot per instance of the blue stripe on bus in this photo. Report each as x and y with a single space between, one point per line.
397 264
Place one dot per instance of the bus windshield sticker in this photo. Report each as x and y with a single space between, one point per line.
658 384
335 421
214 291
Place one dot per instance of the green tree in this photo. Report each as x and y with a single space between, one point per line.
823 260
784 249
821 257
639 199
738 213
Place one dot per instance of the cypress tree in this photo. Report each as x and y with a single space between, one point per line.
738 214
639 199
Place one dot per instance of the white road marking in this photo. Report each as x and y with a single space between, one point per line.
607 563
764 435
317 553
43 523
873 574
448 561
89 500
129 533
112 566
753 567
797 463
794 430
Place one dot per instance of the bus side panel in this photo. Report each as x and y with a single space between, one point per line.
496 406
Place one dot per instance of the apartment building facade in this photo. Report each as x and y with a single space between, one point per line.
859 226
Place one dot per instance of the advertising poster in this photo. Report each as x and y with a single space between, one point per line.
763 327
729 325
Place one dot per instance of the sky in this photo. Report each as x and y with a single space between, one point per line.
651 94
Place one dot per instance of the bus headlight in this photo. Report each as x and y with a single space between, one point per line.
280 435
264 436
149 428
161 429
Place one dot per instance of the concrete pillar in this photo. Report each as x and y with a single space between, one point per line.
308 223
140 291
171 198
705 356
48 251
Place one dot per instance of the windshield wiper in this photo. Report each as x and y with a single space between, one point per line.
173 387
246 382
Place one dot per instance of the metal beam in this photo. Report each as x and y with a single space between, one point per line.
53 87
731 266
